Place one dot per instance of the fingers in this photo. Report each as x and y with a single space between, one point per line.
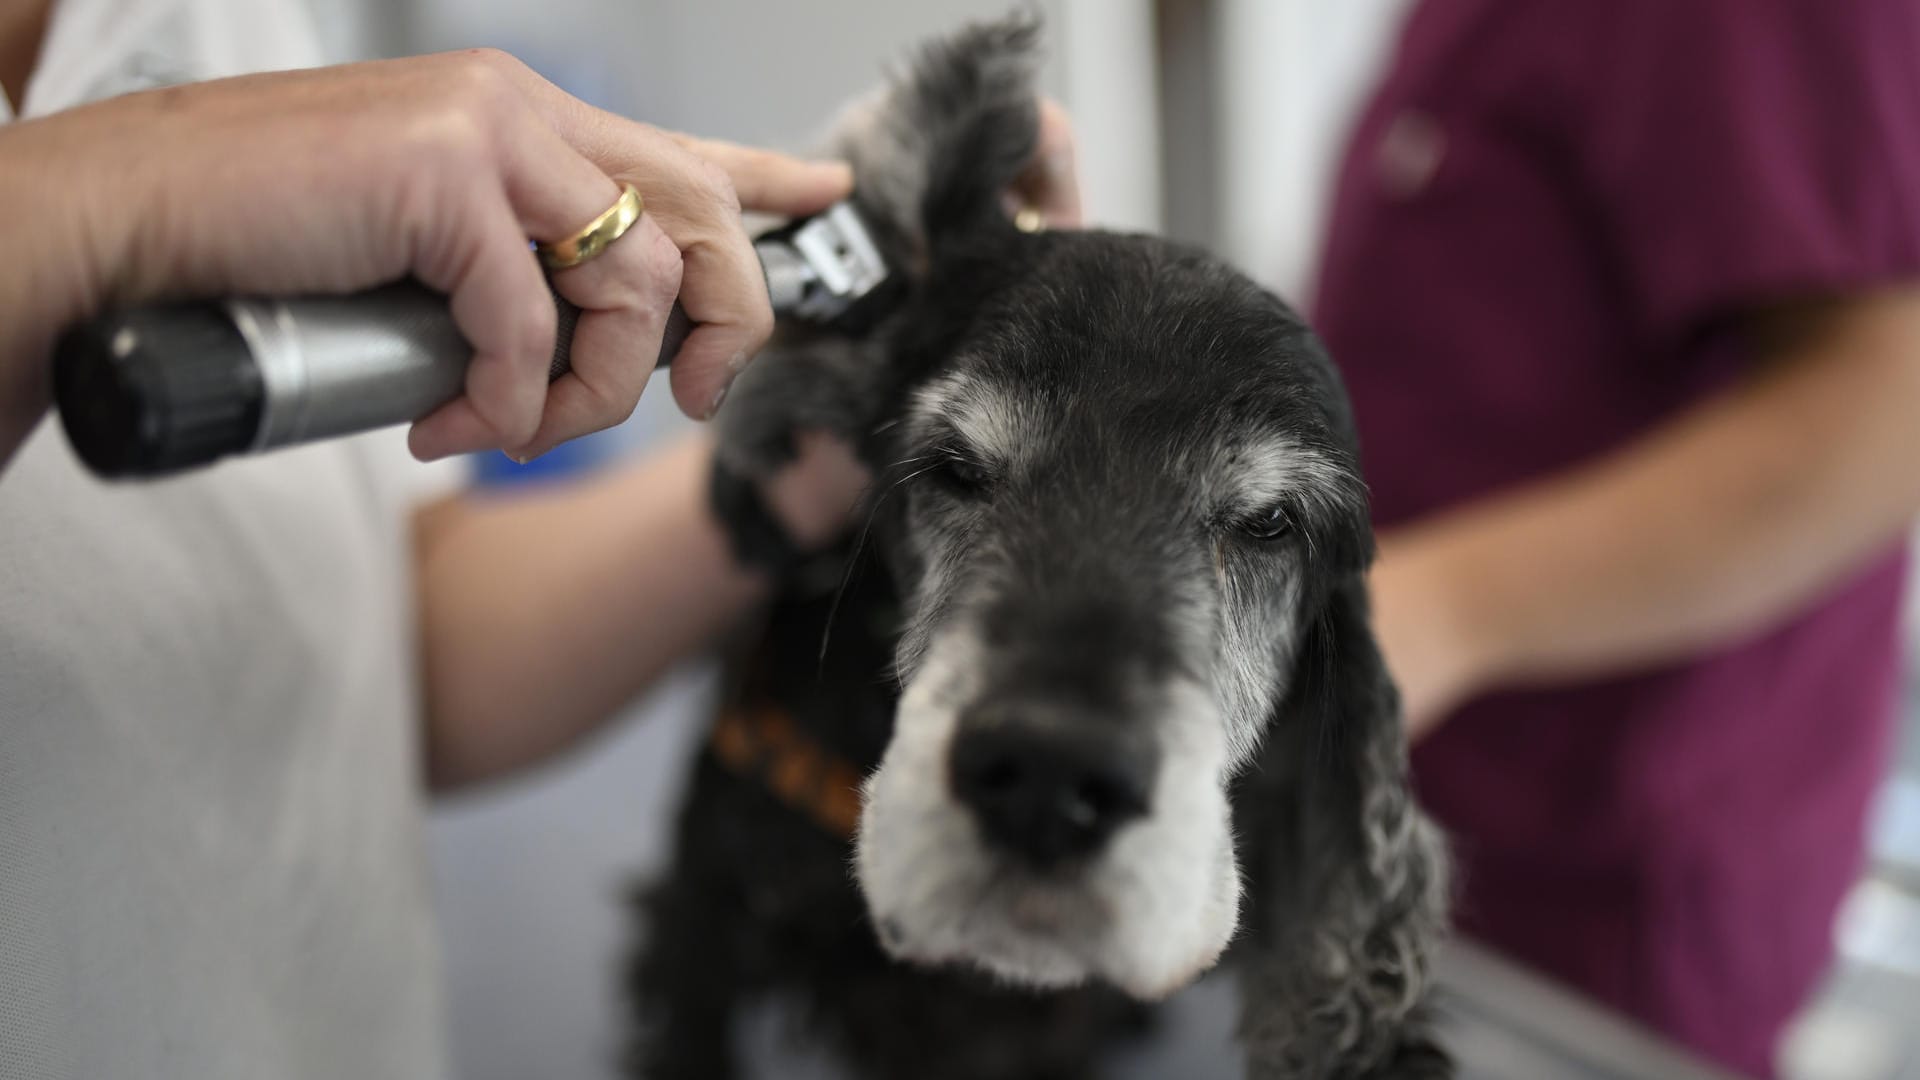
771 182
1051 183
724 293
624 297
814 497
722 286
764 180
499 301
694 201
554 191
453 428
549 193
623 294
694 190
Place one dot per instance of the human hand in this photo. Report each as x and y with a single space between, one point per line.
1423 631
1050 185
814 495
439 167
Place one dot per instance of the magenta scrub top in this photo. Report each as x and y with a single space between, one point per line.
1550 223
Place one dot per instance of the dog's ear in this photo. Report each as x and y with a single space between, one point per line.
935 151
932 154
1347 877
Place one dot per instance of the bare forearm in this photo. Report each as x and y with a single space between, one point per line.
25 376
44 283
1717 525
542 615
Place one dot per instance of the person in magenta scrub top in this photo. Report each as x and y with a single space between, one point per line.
1624 291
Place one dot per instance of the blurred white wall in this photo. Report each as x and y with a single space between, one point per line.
1106 59
773 73
1288 75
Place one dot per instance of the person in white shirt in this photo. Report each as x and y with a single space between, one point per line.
223 697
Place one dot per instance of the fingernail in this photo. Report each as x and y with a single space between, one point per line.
738 363
718 400
423 450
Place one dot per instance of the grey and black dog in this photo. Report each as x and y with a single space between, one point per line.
1102 654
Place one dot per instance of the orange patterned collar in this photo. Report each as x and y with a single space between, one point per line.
761 742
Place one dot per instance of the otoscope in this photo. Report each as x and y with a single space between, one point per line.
150 391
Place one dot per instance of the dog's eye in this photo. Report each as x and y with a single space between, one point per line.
962 475
1273 523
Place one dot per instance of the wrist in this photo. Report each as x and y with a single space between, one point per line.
48 284
1440 640
813 498
83 212
779 525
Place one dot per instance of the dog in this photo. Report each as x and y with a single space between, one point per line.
1099 664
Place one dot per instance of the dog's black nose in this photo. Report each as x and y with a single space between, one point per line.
1048 796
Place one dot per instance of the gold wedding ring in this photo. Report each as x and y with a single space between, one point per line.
587 244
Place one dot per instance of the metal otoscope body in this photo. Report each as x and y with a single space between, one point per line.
152 391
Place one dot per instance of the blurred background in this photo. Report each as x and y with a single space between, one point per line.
1216 121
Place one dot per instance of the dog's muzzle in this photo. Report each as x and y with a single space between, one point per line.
1045 784
1050 830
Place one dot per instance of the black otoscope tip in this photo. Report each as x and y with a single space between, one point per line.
142 393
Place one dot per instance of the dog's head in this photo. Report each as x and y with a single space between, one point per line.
1117 488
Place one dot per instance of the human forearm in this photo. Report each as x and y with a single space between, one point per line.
45 283
1725 520
542 615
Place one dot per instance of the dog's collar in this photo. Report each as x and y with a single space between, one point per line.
760 741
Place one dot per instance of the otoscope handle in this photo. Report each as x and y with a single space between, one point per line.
153 390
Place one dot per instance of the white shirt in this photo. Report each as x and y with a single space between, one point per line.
211 860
